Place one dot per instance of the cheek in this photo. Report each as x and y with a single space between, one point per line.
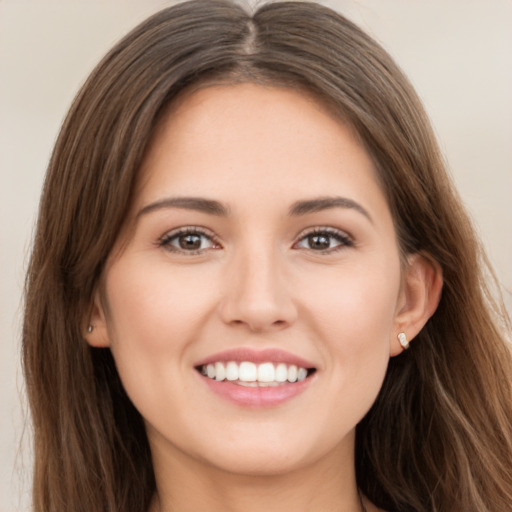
353 309
349 310
155 314
358 296
154 308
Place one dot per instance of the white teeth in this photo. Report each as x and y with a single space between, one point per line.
281 372
258 384
266 372
253 375
247 372
220 372
302 374
292 373
232 371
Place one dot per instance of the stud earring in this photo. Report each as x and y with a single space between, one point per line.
90 328
402 339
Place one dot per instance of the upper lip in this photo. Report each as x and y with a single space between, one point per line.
268 355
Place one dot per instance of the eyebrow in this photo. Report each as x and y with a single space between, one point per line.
212 207
325 203
187 203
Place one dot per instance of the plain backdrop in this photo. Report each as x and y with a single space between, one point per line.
457 53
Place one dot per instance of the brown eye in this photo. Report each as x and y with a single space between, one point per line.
324 240
188 240
319 242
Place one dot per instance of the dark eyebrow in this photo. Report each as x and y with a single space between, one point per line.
213 207
188 203
324 203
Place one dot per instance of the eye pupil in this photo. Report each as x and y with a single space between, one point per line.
190 242
319 241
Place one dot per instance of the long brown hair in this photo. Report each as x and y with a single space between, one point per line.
439 436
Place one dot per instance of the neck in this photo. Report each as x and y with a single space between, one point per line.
185 485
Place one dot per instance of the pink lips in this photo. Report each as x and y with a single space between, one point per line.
270 396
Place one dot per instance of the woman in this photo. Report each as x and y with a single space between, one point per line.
245 223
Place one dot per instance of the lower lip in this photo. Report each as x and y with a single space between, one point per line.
268 396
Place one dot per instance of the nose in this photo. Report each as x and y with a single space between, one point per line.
256 293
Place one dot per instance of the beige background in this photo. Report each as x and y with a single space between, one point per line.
458 54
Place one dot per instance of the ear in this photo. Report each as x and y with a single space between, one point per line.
420 294
96 332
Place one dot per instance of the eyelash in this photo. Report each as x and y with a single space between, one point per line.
330 233
168 238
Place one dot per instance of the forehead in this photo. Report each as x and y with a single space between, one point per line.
256 137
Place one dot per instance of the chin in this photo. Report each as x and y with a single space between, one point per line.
273 454
258 464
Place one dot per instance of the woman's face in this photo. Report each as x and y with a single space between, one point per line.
260 249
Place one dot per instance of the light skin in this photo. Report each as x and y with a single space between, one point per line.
290 246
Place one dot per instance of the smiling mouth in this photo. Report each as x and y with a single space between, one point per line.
250 374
